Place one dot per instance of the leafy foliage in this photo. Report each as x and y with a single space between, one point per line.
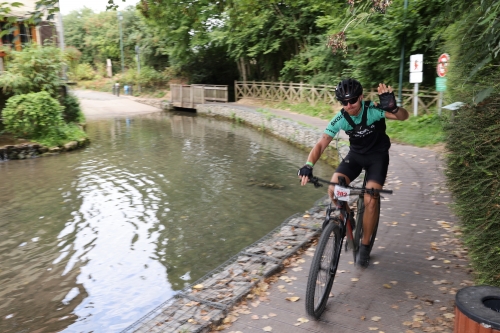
39 117
474 179
33 69
82 72
32 115
72 111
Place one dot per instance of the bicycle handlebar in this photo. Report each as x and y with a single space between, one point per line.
316 181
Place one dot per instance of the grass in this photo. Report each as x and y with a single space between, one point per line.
320 110
421 131
62 135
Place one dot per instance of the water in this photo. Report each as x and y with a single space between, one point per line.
92 240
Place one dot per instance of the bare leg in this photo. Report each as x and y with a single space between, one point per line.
370 215
335 179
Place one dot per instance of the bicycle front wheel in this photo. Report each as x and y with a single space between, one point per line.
323 268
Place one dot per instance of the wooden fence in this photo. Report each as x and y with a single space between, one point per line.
312 94
187 96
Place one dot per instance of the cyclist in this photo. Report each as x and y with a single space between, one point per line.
364 123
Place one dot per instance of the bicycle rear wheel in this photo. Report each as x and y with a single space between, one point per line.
358 235
323 268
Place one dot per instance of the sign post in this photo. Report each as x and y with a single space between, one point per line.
441 69
416 76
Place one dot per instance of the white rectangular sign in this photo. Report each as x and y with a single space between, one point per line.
416 63
416 77
342 193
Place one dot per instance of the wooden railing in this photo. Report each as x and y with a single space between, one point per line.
187 96
313 94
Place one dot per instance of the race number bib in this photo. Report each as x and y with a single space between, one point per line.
342 193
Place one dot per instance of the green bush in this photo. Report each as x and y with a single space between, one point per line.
33 69
72 110
83 72
32 115
474 180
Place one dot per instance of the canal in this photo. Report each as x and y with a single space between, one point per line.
92 240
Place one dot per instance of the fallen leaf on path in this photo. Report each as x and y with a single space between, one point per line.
255 317
354 279
430 258
449 315
272 314
302 320
293 299
198 287
375 318
265 317
267 329
387 286
373 328
394 282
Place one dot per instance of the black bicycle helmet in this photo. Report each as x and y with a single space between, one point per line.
348 88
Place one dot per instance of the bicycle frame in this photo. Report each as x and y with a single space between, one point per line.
346 228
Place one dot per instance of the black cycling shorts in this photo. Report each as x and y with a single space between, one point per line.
375 164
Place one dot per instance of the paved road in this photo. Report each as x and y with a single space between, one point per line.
417 264
100 105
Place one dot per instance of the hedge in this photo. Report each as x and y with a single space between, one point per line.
473 176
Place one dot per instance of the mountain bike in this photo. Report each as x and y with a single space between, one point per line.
335 228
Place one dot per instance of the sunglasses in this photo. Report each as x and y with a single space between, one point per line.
350 101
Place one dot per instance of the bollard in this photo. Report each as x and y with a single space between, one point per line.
477 310
117 88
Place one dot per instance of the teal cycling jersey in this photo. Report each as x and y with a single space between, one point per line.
368 135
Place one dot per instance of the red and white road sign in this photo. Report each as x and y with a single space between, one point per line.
442 64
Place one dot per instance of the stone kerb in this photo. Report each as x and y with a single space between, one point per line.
25 151
277 126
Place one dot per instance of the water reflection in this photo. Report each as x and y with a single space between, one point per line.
93 240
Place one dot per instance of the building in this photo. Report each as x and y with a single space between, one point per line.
24 33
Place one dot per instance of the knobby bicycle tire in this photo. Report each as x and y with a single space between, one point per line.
323 268
358 235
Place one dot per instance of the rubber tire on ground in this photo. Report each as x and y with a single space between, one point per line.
316 305
358 235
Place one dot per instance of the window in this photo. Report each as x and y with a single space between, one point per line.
24 33
8 39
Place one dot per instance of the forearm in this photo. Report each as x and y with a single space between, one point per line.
402 114
319 148
315 154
